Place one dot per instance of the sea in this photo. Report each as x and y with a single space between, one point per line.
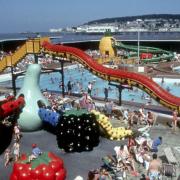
67 37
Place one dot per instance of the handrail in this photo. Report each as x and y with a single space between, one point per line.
30 46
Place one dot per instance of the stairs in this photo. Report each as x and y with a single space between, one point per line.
31 46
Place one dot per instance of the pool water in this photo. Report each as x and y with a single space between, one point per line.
80 77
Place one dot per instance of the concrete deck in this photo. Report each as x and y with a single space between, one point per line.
81 163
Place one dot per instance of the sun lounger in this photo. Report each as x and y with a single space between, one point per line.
170 156
111 165
144 131
177 148
170 168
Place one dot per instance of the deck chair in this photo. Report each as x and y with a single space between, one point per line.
144 131
155 119
177 148
109 162
111 165
169 169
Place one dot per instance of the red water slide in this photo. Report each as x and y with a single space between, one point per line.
116 75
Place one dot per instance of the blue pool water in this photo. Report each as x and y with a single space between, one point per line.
80 78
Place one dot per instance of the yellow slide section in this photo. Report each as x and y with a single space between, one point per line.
31 46
113 133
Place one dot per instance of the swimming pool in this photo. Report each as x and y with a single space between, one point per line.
80 77
176 69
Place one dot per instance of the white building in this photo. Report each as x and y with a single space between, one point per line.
97 28
55 30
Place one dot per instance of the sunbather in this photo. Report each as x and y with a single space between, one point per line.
124 156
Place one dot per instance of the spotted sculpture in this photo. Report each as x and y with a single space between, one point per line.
29 119
47 166
49 116
10 106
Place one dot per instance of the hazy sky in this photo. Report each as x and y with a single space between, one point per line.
41 15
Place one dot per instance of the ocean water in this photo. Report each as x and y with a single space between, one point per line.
73 37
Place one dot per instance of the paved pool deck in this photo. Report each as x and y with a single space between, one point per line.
81 163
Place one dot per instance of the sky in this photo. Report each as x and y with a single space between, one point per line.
41 15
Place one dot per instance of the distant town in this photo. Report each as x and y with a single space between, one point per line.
144 23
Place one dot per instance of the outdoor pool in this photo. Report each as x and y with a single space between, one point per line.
80 77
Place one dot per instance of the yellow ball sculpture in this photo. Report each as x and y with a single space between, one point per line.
113 133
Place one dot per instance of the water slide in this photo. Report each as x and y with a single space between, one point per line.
160 54
132 79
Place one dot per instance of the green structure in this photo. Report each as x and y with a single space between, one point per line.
29 119
159 53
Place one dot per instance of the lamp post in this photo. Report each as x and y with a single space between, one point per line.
13 76
138 44
138 33
120 87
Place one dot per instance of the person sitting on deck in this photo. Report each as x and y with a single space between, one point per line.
125 157
156 142
142 154
104 175
35 152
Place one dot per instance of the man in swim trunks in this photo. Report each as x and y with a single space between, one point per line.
156 142
155 166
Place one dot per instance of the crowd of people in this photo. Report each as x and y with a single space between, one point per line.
138 149
14 153
29 59
139 117
58 103
139 152
124 163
